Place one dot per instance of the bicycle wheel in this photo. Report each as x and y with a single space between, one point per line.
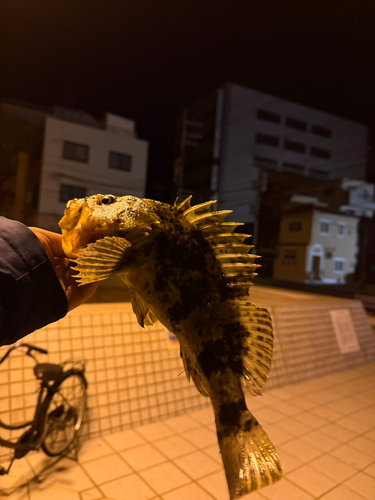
64 414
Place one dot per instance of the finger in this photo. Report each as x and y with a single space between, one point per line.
68 278
64 271
77 295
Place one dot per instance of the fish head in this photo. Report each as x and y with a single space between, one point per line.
89 219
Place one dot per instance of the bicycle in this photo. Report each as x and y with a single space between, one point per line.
59 410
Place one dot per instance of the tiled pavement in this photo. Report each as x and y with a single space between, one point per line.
324 431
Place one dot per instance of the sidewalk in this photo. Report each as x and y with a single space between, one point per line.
323 429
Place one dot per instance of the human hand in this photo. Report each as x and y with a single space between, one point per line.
75 295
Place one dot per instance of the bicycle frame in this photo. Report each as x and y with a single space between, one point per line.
33 437
36 437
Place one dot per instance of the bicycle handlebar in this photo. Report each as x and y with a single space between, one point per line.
29 347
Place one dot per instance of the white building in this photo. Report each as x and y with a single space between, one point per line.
78 156
361 199
316 246
230 136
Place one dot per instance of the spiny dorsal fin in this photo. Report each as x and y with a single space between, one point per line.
216 236
207 220
235 261
99 260
193 212
184 205
235 258
232 248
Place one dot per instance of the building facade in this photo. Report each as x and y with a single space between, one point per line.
316 246
231 137
287 191
54 155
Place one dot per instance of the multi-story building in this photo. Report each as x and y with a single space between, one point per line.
284 191
49 156
316 246
230 137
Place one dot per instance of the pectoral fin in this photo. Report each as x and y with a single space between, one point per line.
99 260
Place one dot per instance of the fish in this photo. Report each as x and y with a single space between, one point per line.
186 267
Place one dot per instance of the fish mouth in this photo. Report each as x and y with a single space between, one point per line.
75 241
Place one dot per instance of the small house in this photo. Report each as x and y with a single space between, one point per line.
316 246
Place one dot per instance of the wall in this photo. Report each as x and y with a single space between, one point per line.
343 247
135 375
305 341
95 175
292 269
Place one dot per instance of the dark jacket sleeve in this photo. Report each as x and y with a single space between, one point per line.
31 295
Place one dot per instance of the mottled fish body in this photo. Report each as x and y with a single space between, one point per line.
186 267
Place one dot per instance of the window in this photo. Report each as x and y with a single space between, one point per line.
69 192
120 161
324 226
75 151
338 265
320 153
294 167
322 131
297 124
340 229
289 254
268 140
295 226
298 147
262 114
320 174
261 159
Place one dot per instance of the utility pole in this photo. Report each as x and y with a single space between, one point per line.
187 139
20 188
178 169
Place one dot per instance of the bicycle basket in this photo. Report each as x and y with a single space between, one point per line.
74 364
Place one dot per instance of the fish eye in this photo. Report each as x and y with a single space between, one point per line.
107 200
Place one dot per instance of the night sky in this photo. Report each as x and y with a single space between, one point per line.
146 60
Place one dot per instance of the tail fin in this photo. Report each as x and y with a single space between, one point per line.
250 459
